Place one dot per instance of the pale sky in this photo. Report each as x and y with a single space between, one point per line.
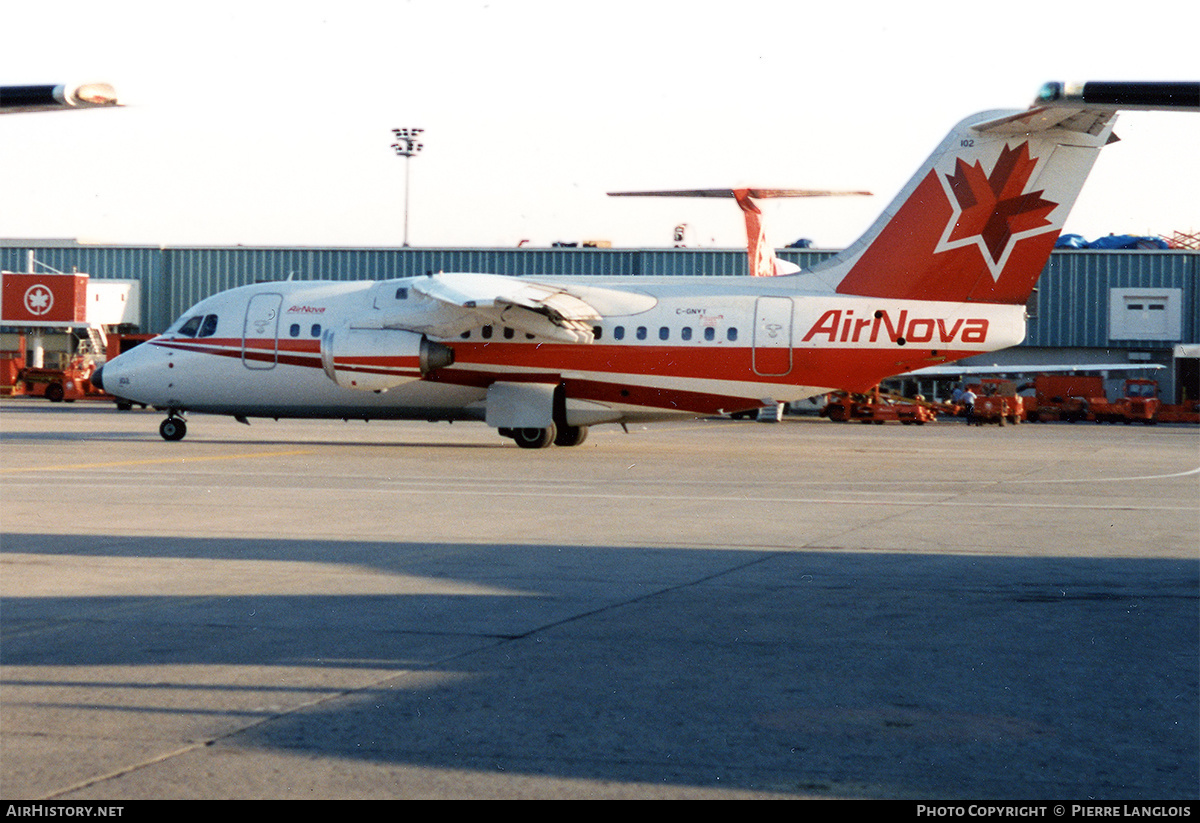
269 123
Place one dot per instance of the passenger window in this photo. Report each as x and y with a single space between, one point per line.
486 331
192 326
686 332
316 330
710 333
664 333
597 332
731 335
295 330
641 333
619 333
402 293
209 327
509 333
466 335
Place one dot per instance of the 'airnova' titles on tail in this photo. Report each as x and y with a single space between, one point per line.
978 221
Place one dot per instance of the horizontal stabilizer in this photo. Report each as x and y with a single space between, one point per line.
758 194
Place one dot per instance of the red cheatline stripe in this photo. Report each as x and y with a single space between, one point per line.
851 369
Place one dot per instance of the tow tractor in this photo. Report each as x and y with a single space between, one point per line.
58 385
1139 403
880 407
69 382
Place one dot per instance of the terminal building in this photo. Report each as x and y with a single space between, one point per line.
1139 307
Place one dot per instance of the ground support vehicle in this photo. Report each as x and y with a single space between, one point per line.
1066 397
1179 412
57 385
996 401
879 407
1139 403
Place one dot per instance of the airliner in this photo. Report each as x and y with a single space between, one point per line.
943 274
60 97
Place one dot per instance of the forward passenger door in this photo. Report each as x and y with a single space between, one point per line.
260 334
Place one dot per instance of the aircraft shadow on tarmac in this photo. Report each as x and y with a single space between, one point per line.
16 438
876 675
453 435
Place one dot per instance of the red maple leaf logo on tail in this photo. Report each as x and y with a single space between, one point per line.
994 207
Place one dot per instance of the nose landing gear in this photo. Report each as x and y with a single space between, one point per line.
173 428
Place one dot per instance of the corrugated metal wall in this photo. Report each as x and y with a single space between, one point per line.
1071 303
1073 295
146 265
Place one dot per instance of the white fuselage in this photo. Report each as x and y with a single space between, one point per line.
684 346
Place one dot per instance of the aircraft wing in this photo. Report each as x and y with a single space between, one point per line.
956 371
1086 107
14 99
758 194
540 309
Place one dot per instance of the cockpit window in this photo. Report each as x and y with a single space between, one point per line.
200 325
192 326
209 327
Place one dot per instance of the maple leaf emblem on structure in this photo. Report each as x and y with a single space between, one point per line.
38 300
995 208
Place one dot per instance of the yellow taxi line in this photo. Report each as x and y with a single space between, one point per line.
161 460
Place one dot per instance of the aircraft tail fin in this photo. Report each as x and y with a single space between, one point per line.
979 219
762 258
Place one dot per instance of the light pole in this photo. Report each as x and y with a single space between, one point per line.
406 146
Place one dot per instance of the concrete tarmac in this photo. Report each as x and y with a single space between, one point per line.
711 609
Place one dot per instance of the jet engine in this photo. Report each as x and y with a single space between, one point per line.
380 359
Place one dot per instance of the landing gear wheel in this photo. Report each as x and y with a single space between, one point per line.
173 428
534 438
571 436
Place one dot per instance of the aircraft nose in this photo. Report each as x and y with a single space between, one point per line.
96 378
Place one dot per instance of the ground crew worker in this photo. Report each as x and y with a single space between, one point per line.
968 400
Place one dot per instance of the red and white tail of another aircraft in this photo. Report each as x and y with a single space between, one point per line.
942 275
762 259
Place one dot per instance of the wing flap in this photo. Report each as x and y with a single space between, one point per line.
528 306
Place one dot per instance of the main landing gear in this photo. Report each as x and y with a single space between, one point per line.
173 428
543 438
